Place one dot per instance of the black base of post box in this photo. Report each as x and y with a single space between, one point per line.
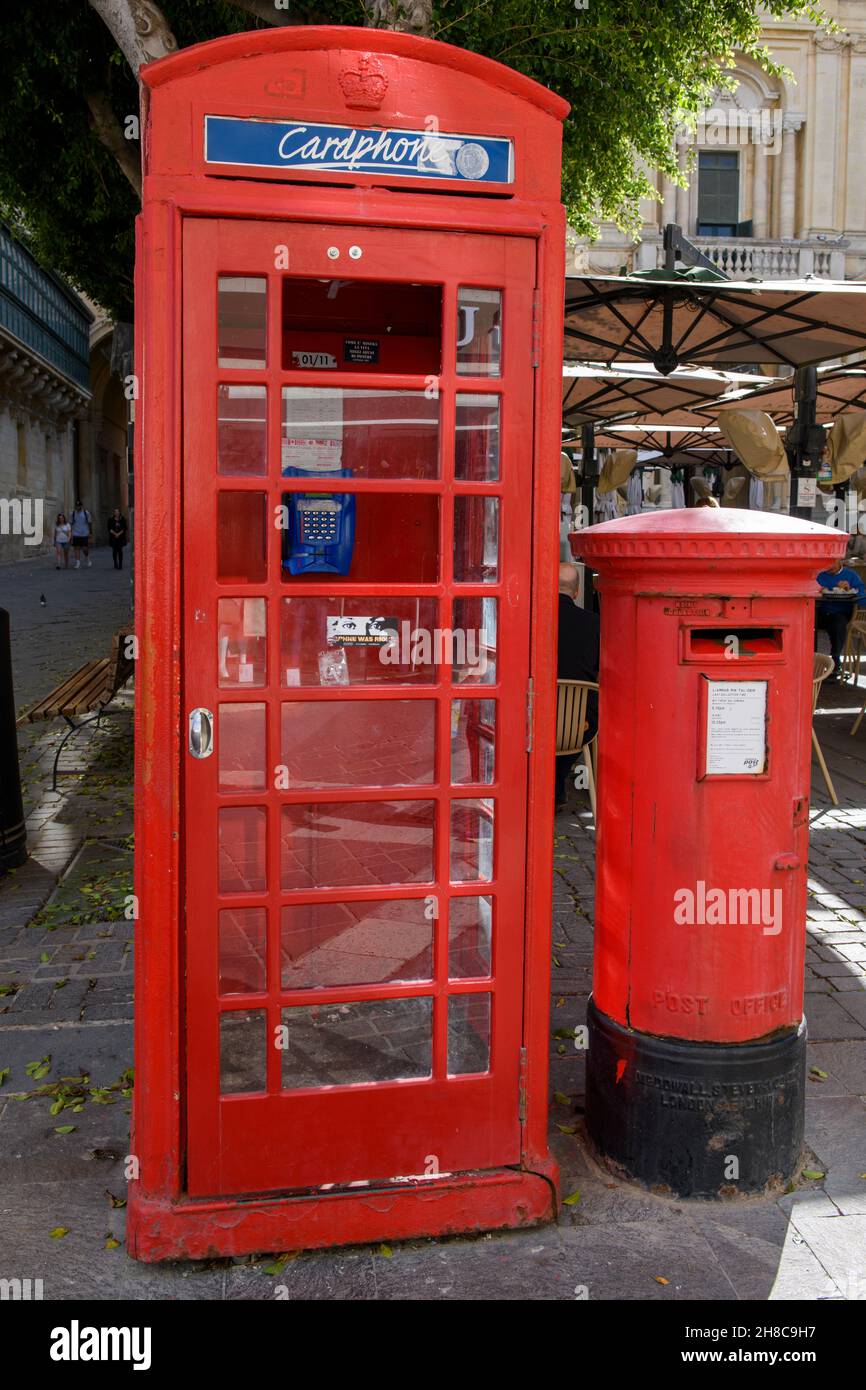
696 1119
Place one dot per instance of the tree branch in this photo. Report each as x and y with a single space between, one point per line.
139 29
107 127
406 16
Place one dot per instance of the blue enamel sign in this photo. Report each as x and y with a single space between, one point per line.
342 149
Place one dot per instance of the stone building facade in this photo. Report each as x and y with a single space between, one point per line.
62 408
776 169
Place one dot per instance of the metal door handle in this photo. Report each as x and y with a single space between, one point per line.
201 733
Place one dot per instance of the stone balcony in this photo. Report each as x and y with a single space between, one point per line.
758 258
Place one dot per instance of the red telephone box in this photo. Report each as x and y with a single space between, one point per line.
349 299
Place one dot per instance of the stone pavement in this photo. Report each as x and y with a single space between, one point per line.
65 1024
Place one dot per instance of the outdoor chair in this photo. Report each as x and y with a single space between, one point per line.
571 722
821 668
855 646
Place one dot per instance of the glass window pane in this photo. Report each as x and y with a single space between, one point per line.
242 941
471 840
476 443
242 441
242 320
242 861
241 748
475 640
361 326
476 540
368 538
359 434
324 945
242 641
479 332
468 1033
473 740
242 1051
356 641
356 843
346 1044
470 937
358 743
242 537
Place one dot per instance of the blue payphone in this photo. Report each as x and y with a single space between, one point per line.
320 536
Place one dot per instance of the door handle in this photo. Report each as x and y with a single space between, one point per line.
201 733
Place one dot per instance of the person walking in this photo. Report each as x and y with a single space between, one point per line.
82 527
117 529
62 538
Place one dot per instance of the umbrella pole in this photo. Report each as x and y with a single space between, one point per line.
589 461
804 441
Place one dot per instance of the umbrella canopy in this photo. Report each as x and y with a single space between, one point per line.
678 433
594 393
840 389
668 319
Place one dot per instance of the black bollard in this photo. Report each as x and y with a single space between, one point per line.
13 836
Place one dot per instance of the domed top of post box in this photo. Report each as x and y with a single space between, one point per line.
697 542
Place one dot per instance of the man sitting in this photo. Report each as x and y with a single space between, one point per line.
577 659
832 615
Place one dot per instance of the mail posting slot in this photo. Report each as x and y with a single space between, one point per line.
349 295
697 1039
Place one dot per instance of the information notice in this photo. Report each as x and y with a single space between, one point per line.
736 728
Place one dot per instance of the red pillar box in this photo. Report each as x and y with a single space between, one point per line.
350 288
697 1039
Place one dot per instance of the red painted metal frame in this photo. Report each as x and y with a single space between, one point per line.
466 92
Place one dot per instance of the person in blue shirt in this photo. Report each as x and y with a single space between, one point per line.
832 615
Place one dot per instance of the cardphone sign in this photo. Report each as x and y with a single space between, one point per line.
340 149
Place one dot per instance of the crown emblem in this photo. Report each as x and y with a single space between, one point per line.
365 84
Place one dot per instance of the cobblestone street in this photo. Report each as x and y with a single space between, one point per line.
82 609
66 1036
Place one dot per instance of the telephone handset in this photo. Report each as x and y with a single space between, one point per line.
321 533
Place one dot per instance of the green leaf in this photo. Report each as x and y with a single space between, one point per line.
112 1244
572 1199
64 1129
4 1072
59 1232
814 1174
385 1251
561 1098
277 1265
818 1073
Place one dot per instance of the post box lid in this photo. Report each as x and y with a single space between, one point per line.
711 533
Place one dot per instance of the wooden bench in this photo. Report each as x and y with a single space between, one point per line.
88 691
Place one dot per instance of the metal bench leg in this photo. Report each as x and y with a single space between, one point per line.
73 729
